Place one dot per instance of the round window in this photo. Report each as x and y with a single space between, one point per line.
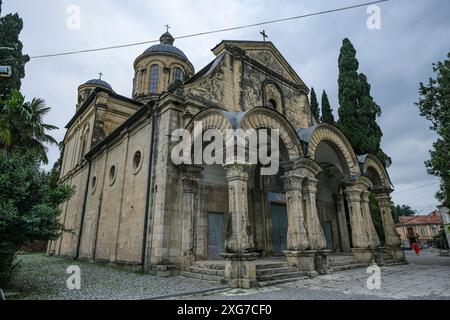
112 174
93 184
137 161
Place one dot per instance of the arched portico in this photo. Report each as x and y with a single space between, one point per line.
381 186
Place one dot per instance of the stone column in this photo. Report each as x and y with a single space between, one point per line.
342 221
297 239
190 206
392 238
315 233
360 241
240 268
372 235
298 254
316 236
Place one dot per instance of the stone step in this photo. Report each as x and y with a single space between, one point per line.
209 265
341 260
348 267
273 270
199 276
212 272
343 263
271 265
278 281
280 276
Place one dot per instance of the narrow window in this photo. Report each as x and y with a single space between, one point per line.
154 77
272 104
177 74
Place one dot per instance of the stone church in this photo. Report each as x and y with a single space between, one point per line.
132 206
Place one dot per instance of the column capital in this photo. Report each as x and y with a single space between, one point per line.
236 172
382 192
353 193
292 181
311 185
189 171
365 196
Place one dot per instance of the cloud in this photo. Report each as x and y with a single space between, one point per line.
414 34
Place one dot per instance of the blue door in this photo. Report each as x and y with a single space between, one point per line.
279 228
329 235
216 240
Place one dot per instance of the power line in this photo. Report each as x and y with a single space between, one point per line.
427 185
210 32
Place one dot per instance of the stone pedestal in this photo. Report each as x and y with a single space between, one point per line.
240 269
397 253
363 255
302 260
321 261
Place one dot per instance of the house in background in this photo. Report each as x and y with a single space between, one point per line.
445 214
419 228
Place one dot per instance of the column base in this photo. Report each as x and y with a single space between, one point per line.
240 269
321 261
187 260
364 255
397 253
302 260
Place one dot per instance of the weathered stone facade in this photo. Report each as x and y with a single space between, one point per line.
134 206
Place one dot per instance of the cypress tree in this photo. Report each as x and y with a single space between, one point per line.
327 112
314 104
357 109
10 27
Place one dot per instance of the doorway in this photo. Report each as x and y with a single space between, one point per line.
216 240
279 228
328 230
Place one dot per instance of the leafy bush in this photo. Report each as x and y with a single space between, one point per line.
29 205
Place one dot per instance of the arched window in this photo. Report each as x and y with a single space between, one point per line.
272 104
177 74
154 77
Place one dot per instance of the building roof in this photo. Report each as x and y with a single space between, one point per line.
100 82
166 46
431 218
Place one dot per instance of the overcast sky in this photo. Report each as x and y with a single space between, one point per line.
413 35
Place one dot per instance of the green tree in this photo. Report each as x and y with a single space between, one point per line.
434 105
401 210
376 217
10 27
357 109
314 104
29 205
327 112
22 125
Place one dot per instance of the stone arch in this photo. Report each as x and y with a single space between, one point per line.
272 91
332 135
375 171
212 118
261 117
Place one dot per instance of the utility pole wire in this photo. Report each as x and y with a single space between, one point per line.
210 32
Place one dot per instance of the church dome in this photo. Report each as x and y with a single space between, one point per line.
166 46
100 83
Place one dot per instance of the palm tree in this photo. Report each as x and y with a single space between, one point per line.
22 125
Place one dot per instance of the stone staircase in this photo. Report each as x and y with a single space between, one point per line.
268 272
343 262
271 273
387 260
207 270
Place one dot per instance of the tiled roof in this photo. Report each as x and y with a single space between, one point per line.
432 218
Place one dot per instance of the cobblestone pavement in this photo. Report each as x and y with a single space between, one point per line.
411 281
40 277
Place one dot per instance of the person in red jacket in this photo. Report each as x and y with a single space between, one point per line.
416 248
